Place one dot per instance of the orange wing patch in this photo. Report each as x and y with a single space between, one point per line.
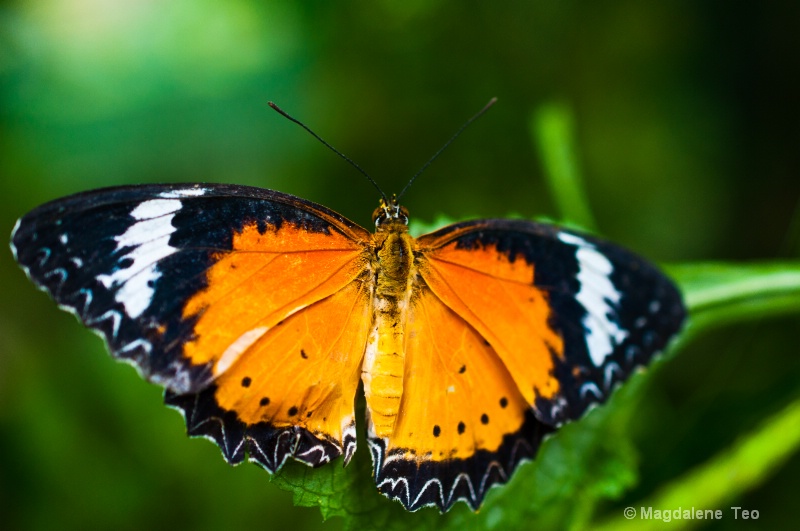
497 297
457 397
305 371
265 278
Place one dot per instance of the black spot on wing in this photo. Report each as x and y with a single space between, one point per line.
443 483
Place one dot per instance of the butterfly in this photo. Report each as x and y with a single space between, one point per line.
260 313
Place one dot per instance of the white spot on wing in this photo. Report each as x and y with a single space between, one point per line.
15 229
349 438
115 318
187 192
595 294
236 349
150 241
155 208
294 311
145 231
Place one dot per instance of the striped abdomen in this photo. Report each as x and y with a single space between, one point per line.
382 372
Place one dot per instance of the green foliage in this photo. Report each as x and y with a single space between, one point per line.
685 159
552 126
717 483
721 294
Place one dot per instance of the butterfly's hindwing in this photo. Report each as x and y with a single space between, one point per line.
293 389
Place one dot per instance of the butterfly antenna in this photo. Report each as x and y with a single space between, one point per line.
446 144
345 157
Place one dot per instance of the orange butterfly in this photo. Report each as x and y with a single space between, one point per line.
260 312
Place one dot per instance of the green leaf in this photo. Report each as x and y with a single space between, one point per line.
717 483
552 128
719 294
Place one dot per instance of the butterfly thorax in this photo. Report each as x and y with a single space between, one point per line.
394 271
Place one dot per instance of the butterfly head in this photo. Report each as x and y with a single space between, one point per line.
390 214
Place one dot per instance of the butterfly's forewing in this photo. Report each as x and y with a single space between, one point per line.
569 315
187 282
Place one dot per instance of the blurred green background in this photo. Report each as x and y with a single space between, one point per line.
688 132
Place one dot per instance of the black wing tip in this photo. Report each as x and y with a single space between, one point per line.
442 484
648 312
261 443
108 320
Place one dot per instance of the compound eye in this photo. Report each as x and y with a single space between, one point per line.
376 215
402 214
